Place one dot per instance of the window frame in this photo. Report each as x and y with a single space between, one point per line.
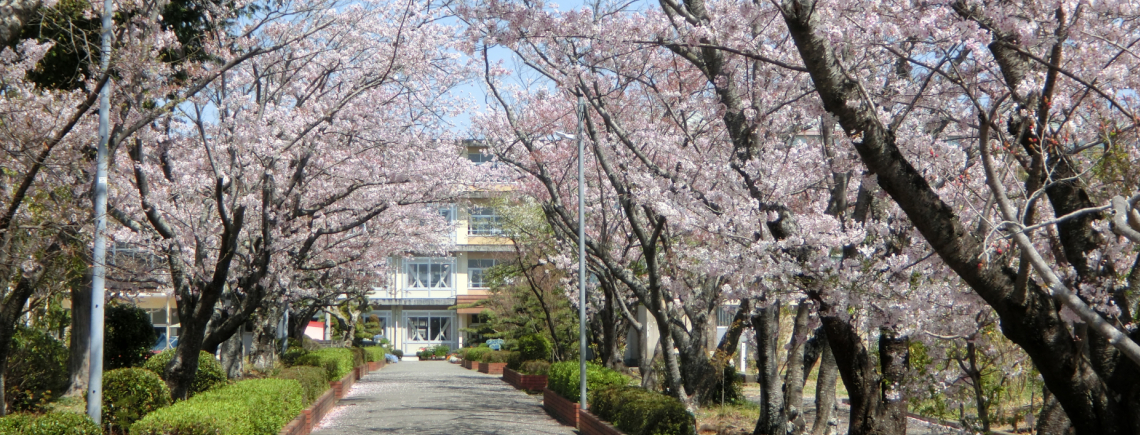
482 272
480 223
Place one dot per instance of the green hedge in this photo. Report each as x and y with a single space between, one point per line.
637 411
337 361
54 423
563 379
374 353
129 394
475 353
253 407
37 369
540 368
495 356
534 347
210 373
312 380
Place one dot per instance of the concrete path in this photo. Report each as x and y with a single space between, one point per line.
436 397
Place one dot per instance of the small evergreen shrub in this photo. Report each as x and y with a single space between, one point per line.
337 361
563 378
540 368
442 350
534 347
37 369
53 423
130 335
253 407
514 360
729 387
358 356
209 375
495 356
312 380
374 353
399 353
131 393
476 353
637 411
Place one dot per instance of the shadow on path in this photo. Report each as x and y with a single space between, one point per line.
437 398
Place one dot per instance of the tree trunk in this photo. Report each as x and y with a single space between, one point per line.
1052 419
263 352
794 376
79 348
10 312
878 405
766 323
231 351
979 393
825 389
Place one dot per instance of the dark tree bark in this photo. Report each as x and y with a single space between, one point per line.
1052 419
766 323
79 346
231 356
794 376
1031 318
824 388
878 403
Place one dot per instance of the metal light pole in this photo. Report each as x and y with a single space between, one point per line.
581 258
99 271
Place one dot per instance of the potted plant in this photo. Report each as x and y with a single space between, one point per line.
494 362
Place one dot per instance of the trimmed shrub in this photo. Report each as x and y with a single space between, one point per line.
253 407
374 353
358 356
476 353
729 387
37 369
563 379
534 347
53 423
514 360
637 411
495 356
131 393
312 380
540 368
130 335
337 361
442 350
399 353
209 375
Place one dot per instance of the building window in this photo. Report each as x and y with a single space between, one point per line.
478 157
431 273
724 315
476 272
485 221
429 328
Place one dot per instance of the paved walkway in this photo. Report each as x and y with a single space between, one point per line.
436 397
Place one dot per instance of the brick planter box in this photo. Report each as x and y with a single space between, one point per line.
466 364
344 384
492 368
560 408
304 423
588 424
524 382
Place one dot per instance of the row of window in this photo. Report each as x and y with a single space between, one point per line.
484 221
425 326
439 273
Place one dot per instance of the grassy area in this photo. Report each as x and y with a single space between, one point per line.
727 419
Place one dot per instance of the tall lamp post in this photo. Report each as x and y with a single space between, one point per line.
581 112
99 270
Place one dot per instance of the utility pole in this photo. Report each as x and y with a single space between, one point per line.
581 257
99 272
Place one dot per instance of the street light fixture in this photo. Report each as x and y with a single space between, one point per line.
581 112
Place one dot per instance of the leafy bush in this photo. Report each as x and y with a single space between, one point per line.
337 361
563 379
374 353
253 407
312 380
130 335
442 350
540 368
131 393
399 353
729 387
54 423
534 347
637 411
358 356
514 360
495 356
37 369
209 375
476 353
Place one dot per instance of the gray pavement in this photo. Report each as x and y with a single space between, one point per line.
436 397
